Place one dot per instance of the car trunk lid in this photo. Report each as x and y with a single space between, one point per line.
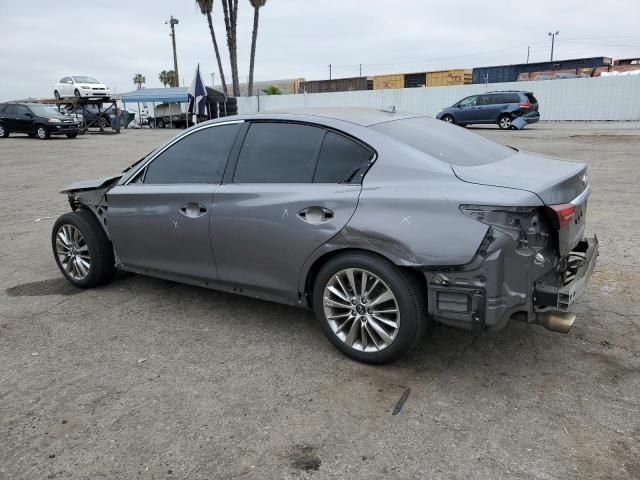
557 183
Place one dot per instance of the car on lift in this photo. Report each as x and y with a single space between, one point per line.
499 108
36 120
80 87
380 222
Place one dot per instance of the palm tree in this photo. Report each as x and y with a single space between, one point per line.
256 4
139 79
206 7
167 77
230 8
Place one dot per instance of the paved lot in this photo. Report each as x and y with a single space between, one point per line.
145 378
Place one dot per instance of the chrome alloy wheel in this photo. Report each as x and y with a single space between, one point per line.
41 132
361 310
505 122
73 252
2 130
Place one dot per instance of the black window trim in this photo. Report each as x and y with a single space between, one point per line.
230 171
143 166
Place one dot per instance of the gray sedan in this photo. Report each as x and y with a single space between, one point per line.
380 222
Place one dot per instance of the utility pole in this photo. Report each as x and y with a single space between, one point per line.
173 22
553 41
213 83
528 51
360 70
329 71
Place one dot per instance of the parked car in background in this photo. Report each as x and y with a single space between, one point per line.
90 115
36 120
80 87
492 107
380 222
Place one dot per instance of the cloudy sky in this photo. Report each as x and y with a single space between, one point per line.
111 40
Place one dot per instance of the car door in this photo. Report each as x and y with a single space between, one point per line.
159 219
9 116
489 108
286 195
23 120
466 109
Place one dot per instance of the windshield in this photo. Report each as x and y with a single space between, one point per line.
449 143
85 80
44 110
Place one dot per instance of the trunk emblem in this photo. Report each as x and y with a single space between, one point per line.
584 179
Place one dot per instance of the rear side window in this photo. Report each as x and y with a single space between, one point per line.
341 159
10 110
21 110
197 158
445 142
2 107
485 99
278 153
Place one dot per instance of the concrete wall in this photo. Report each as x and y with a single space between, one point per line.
599 98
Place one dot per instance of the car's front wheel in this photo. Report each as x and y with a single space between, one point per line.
370 309
82 250
72 135
42 132
76 93
504 122
56 94
448 119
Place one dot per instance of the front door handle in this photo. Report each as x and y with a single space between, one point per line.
315 215
193 210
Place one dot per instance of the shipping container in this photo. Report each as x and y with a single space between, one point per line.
509 73
444 78
413 80
337 85
383 82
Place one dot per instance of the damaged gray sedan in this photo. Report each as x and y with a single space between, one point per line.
380 222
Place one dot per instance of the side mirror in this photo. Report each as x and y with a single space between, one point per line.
28 115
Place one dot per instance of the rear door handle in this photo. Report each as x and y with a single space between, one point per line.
193 210
315 215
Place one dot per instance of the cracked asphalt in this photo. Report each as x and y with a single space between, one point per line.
145 378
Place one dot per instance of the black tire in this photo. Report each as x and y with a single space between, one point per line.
76 93
102 264
448 119
56 94
42 132
4 131
160 123
504 122
72 135
409 293
152 123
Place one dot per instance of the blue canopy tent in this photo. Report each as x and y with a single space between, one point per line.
156 95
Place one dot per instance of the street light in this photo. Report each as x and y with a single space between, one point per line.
173 22
553 40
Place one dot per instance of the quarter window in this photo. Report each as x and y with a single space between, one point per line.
341 159
278 153
200 157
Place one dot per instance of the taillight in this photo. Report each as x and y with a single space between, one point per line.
525 105
562 214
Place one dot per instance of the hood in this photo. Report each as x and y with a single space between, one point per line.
554 181
96 184
92 85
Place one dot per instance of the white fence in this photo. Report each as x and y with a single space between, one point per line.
600 98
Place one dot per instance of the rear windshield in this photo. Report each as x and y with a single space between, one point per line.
449 143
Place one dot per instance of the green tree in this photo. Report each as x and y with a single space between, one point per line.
139 79
272 90
230 8
256 4
167 77
206 7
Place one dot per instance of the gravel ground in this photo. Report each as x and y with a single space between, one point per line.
146 378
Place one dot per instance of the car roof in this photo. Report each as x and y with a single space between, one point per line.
359 116
508 91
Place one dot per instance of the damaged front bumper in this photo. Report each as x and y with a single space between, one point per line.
509 279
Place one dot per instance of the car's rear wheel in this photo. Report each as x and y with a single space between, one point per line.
504 122
72 135
370 309
448 119
160 123
56 94
42 132
82 250
4 131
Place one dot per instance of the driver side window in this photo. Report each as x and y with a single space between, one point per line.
468 102
200 157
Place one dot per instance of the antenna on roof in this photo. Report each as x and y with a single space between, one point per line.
389 109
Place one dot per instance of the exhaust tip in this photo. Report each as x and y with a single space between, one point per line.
560 322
